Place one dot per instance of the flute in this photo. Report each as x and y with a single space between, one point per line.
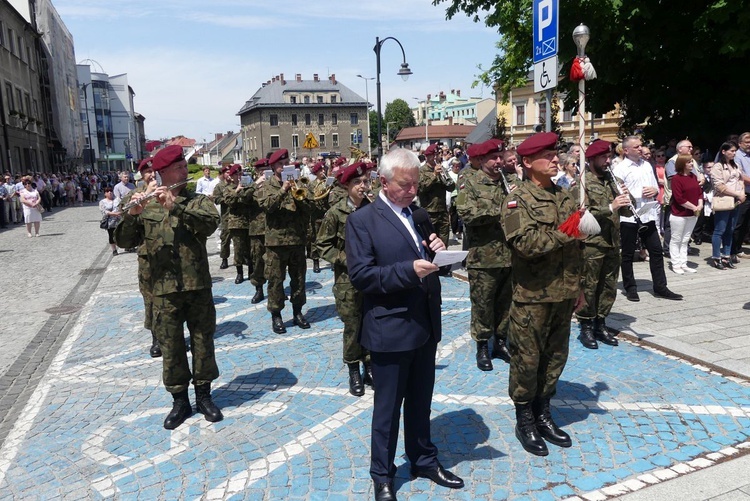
506 186
151 195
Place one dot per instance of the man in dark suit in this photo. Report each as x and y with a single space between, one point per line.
401 323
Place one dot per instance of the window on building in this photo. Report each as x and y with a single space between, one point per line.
294 119
19 97
29 59
334 119
273 119
567 116
320 99
307 99
19 46
293 99
2 33
295 141
28 106
543 112
333 99
353 138
308 119
275 142
321 140
9 97
321 119
520 114
11 41
335 140
354 119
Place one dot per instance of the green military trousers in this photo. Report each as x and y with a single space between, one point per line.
278 259
601 269
349 308
491 293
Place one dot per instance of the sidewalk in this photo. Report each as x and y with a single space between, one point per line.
646 424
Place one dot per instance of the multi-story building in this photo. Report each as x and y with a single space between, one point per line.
283 114
112 127
452 109
23 138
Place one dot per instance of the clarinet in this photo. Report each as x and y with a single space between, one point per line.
641 227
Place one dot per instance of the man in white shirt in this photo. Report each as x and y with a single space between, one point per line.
205 185
639 178
123 187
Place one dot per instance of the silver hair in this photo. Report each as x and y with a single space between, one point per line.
398 158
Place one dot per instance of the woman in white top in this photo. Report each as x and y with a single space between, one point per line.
31 202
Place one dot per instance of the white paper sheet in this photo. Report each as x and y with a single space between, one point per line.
446 257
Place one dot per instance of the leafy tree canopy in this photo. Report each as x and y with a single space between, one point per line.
398 111
680 66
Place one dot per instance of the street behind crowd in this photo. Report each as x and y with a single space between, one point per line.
84 402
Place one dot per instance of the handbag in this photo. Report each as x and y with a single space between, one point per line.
104 223
722 203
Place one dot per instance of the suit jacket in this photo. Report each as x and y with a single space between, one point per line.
400 312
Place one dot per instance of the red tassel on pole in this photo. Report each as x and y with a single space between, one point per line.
576 71
570 226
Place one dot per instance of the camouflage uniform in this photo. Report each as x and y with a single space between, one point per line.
175 244
331 245
257 238
601 252
546 282
488 263
432 198
235 214
286 221
337 193
316 218
224 236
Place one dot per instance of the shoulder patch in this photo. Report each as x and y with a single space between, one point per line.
512 204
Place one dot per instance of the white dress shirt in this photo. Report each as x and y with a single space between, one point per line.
637 176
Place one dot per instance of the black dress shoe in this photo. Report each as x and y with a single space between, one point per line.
440 476
632 295
367 377
484 363
356 386
385 492
300 321
278 324
667 294
258 297
224 264
500 350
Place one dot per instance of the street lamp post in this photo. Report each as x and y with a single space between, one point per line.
404 73
88 125
581 38
367 98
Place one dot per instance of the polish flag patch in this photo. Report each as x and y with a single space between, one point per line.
512 204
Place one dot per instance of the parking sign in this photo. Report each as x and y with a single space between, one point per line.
545 29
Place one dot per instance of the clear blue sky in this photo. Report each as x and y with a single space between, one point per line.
194 63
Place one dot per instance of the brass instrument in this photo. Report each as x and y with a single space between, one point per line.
357 153
445 177
151 195
641 227
298 192
321 191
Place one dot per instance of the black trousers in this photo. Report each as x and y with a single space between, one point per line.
649 240
403 377
742 225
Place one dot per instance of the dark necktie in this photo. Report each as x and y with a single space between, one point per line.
407 214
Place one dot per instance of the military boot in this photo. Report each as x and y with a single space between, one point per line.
602 334
181 410
587 333
299 319
224 264
240 277
258 297
155 350
316 265
527 433
205 405
368 379
356 387
500 350
484 363
546 426
277 323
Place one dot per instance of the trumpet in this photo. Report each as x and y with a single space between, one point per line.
151 195
298 192
445 177
641 227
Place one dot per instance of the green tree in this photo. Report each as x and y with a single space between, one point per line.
680 67
398 112
373 117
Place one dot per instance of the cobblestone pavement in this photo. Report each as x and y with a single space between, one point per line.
92 427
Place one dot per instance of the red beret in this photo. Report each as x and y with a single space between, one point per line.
263 162
597 148
340 161
472 150
349 172
233 169
499 142
430 150
166 157
317 167
145 164
537 143
487 147
224 169
278 156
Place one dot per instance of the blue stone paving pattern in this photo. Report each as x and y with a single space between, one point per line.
93 429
